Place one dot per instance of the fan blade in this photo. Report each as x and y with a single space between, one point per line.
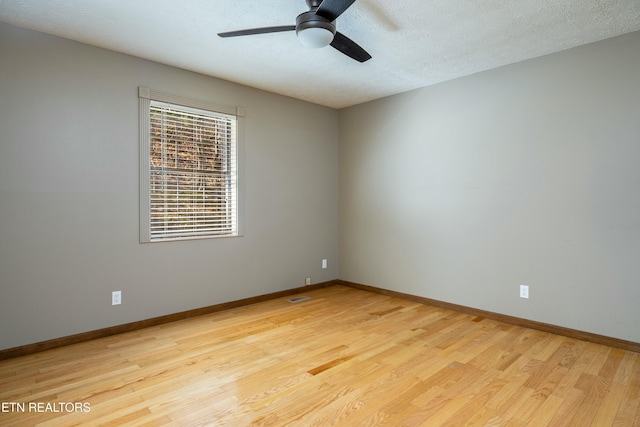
331 9
253 31
350 48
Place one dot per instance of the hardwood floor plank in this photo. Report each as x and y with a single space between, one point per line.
570 407
475 404
629 409
543 414
598 390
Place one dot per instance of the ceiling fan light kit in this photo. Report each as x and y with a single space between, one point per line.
316 28
314 31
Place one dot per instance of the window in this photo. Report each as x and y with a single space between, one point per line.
189 168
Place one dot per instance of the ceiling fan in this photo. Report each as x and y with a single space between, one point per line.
316 28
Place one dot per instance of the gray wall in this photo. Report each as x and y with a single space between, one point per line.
526 174
69 194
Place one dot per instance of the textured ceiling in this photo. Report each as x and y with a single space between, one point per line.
414 43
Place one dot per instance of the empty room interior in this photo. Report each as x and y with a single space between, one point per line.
432 220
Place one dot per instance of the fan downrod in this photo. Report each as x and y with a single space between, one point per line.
313 4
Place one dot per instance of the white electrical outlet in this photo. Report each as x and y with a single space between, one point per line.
116 297
307 281
524 291
324 263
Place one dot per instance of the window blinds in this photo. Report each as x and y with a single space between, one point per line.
192 172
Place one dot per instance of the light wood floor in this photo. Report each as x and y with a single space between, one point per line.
345 357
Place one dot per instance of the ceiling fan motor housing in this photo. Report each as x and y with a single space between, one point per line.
311 20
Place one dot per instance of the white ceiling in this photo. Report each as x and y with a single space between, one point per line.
414 43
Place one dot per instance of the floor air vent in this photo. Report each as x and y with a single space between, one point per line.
298 299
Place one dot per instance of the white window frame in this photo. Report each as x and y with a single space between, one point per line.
146 98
